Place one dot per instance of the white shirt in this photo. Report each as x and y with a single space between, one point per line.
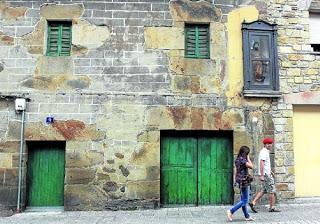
265 156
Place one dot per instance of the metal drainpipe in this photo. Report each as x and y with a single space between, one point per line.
20 160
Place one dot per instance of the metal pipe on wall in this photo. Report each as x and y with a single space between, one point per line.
20 161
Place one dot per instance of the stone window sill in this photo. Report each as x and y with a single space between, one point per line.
261 93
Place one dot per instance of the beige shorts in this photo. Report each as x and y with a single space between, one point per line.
267 186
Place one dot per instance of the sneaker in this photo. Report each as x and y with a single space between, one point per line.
249 219
253 208
274 210
229 215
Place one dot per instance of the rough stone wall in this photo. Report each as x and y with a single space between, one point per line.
127 79
299 82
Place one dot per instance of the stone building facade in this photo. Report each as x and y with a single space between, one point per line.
127 83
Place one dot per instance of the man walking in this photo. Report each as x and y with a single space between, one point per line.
266 177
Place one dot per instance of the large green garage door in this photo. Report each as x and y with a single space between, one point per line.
196 170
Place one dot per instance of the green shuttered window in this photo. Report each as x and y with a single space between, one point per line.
197 41
59 38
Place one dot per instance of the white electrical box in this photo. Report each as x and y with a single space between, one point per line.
20 104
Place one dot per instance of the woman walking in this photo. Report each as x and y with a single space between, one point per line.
240 173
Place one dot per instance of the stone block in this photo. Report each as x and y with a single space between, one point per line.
9 147
298 80
79 176
66 12
287 194
95 5
81 158
14 129
102 13
282 187
201 11
132 204
8 196
143 189
83 197
9 177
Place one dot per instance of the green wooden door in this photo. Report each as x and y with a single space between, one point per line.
215 171
46 176
179 171
196 171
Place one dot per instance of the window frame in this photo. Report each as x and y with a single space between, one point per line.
314 20
60 25
254 29
197 55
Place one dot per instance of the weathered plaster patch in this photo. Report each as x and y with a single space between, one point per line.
47 66
186 84
66 12
59 130
79 82
185 10
203 67
49 83
11 13
88 35
159 118
241 138
180 116
62 130
146 154
127 118
177 65
6 160
232 118
303 98
197 118
55 82
164 38
235 18
78 50
84 35
6 40
35 40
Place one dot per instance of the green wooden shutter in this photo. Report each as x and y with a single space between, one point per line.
65 40
59 39
197 41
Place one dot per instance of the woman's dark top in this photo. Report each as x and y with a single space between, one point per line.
242 170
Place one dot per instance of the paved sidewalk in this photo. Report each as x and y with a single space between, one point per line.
297 213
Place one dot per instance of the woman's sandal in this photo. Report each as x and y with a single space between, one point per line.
229 215
274 210
249 219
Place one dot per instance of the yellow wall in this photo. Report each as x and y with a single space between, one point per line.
306 126
235 62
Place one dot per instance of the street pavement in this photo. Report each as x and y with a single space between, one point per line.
297 212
